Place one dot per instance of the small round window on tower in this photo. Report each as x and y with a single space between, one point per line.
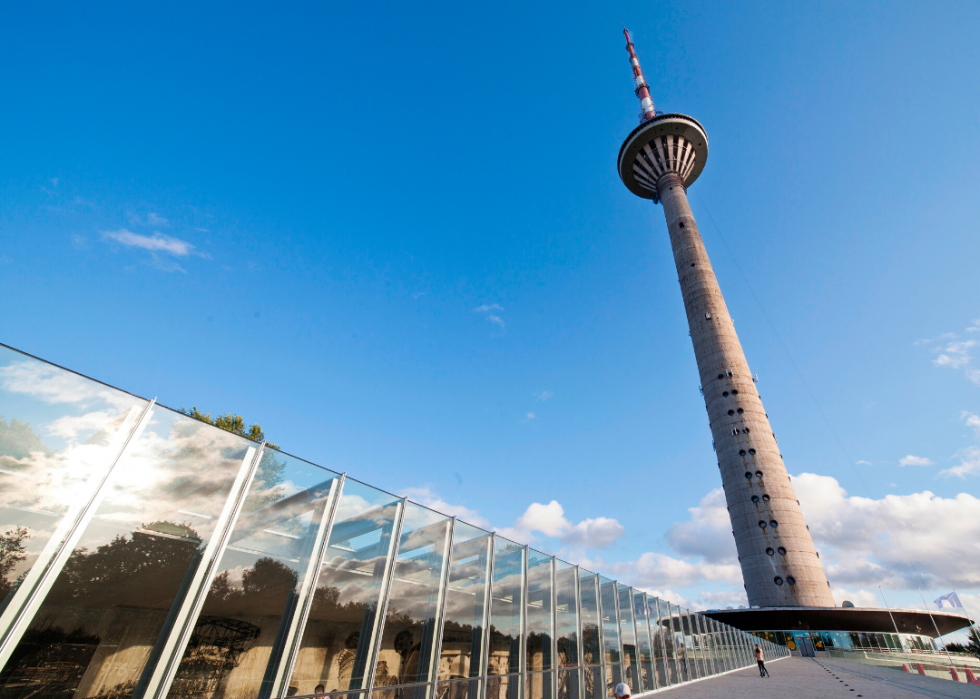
782 551
778 580
766 498
748 474
682 223
721 376
725 394
742 453
770 551
731 412
758 474
755 498
740 411
762 524
734 392
774 524
752 451
790 579
746 430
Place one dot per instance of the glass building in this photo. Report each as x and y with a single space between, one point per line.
144 553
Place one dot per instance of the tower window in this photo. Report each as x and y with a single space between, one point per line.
790 579
692 264
746 430
725 394
755 498
682 223
731 412
734 392
782 551
707 316
766 498
773 524
770 551
740 411
742 453
721 376
762 524
752 451
758 474
778 580
748 474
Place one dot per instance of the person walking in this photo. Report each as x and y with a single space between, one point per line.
622 691
759 658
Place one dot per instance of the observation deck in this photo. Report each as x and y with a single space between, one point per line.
668 143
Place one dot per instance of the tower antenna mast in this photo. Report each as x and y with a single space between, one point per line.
641 88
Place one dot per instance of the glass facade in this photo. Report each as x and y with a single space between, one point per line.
147 554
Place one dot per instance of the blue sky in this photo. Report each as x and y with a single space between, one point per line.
394 236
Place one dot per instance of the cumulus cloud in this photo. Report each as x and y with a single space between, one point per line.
914 461
969 463
900 541
708 532
549 520
972 421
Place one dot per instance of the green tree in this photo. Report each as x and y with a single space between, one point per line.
231 423
974 644
12 552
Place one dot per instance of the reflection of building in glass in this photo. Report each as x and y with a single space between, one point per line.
147 554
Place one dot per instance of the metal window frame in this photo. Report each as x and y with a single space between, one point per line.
523 657
441 611
487 618
33 590
182 626
389 573
578 624
294 638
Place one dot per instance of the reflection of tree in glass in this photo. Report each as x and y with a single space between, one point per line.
271 472
262 591
130 570
18 440
11 553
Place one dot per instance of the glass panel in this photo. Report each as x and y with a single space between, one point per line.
457 689
610 624
567 618
249 608
408 639
504 687
505 616
614 675
591 648
722 643
338 644
693 660
105 612
627 631
680 647
644 646
540 595
568 684
660 654
540 685
466 606
592 684
57 431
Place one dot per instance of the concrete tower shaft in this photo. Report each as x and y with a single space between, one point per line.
765 513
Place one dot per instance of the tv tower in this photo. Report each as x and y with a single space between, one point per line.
659 160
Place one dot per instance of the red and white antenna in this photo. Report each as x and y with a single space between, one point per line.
642 89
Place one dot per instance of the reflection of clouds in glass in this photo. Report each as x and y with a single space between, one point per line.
70 426
53 385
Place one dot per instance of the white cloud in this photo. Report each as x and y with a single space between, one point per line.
425 496
859 598
543 395
708 533
900 541
597 533
972 421
528 417
954 353
915 461
70 426
491 312
154 243
53 385
969 463
863 463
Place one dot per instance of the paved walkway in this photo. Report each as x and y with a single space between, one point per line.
807 678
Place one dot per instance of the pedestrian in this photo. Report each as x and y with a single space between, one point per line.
622 691
763 672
